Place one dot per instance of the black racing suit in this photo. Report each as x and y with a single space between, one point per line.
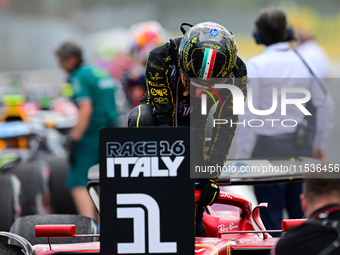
165 104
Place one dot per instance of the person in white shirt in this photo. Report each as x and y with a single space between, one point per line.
313 52
277 73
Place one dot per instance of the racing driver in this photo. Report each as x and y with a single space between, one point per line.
178 73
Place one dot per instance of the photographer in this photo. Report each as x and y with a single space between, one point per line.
320 233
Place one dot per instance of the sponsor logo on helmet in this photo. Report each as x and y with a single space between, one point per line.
211 25
214 32
186 56
216 47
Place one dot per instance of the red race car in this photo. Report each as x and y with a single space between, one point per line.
235 228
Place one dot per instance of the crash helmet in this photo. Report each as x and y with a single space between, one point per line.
207 52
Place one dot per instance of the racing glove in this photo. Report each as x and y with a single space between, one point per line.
209 191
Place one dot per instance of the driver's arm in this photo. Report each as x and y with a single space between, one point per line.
222 135
84 118
159 91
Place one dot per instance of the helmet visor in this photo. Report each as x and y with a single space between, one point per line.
212 64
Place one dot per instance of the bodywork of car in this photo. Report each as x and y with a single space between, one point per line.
234 228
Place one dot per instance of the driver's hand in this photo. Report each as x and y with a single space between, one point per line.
209 191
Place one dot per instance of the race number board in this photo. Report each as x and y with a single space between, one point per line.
146 194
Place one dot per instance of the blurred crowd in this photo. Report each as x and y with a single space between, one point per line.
58 124
127 66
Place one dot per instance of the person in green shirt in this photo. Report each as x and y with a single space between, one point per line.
94 95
